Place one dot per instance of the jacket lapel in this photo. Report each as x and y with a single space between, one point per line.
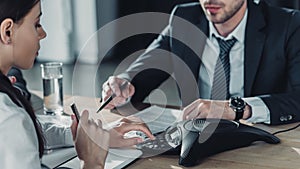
202 24
254 43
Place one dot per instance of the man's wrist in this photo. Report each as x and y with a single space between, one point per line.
238 105
247 112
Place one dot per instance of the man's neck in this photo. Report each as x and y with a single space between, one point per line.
224 29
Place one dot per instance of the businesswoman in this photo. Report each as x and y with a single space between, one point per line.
21 138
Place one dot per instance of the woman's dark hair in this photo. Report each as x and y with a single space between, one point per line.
17 10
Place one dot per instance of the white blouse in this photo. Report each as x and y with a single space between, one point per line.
18 139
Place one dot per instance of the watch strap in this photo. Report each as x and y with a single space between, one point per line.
238 115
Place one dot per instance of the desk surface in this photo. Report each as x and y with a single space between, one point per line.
259 156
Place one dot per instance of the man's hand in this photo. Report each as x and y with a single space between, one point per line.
208 109
112 85
212 109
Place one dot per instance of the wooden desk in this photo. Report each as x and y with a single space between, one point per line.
285 155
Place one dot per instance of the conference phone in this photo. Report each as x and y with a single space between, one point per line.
193 140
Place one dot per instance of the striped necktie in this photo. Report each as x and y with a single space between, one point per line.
220 85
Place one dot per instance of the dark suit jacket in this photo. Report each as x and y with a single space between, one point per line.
272 58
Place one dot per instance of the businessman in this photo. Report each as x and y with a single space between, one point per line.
248 68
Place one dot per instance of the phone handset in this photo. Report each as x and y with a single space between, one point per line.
182 134
75 111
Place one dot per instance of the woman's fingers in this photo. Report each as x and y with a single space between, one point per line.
74 126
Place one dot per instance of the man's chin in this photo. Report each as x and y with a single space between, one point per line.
216 20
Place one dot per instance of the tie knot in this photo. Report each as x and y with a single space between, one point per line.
225 46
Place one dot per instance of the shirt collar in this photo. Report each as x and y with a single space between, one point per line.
238 32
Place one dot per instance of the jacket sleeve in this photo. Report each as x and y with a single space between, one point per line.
285 107
151 68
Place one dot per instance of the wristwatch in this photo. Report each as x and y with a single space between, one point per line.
238 106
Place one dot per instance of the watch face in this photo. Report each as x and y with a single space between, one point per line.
237 102
238 105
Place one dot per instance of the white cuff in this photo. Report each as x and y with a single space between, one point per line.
56 131
260 112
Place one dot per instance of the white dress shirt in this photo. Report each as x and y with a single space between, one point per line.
260 112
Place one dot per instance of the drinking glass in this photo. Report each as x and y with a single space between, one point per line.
52 76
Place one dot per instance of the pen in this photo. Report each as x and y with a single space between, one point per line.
122 87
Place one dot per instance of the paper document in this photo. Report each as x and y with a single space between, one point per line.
119 158
116 159
58 157
158 118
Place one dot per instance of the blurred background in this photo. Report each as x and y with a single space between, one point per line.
70 24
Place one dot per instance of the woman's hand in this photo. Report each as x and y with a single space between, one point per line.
91 141
117 133
12 79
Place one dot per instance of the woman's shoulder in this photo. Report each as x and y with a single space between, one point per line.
9 109
17 128
16 119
